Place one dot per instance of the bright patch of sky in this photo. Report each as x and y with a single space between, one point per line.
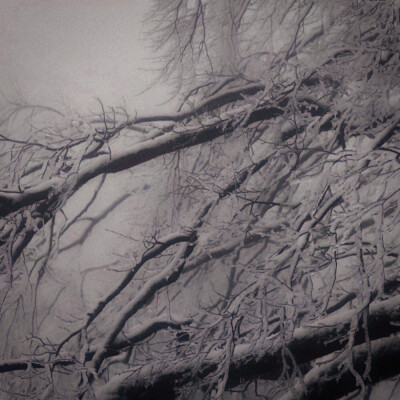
67 52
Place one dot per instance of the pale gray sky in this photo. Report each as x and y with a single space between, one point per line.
69 51
65 53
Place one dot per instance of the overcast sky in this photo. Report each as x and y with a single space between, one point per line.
64 53
70 51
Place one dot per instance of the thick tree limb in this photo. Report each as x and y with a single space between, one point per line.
127 158
35 363
142 332
251 361
331 380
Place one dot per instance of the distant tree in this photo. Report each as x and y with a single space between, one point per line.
273 269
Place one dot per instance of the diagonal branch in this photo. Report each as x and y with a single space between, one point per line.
161 245
251 360
169 275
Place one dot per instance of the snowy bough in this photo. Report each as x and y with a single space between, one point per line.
271 266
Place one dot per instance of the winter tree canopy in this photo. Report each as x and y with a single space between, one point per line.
257 249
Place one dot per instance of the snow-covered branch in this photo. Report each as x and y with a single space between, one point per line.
309 343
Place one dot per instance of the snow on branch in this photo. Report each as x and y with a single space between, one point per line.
332 378
167 276
251 360
127 158
158 247
140 333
